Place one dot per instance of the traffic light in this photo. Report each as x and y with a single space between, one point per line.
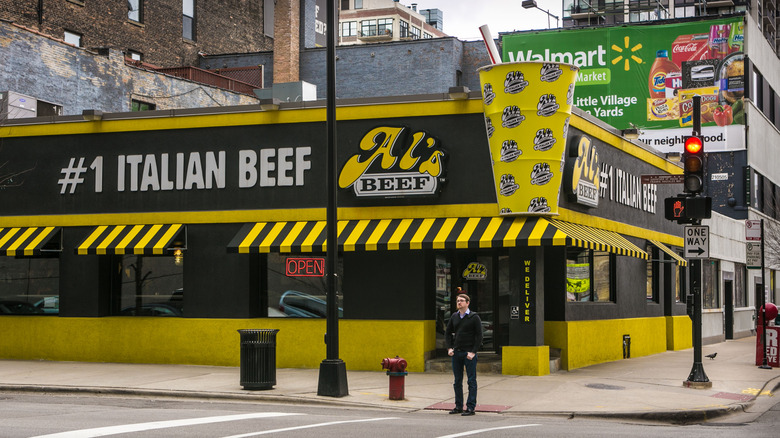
693 165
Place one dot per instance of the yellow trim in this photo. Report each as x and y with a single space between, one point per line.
680 261
141 245
30 249
103 246
308 244
290 239
373 240
618 142
318 214
138 339
12 249
256 117
9 235
486 241
265 245
122 246
243 247
169 234
395 240
444 231
349 244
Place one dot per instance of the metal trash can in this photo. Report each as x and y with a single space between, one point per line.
258 358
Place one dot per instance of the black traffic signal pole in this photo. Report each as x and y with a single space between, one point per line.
697 377
333 371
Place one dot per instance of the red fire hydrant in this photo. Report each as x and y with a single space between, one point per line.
396 369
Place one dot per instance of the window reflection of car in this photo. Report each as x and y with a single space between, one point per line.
151 309
294 303
49 305
18 308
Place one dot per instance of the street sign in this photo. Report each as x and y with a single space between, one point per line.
753 230
753 255
662 179
697 242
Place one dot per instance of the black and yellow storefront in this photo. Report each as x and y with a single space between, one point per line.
111 225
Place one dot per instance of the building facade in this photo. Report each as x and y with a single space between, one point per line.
166 33
140 235
376 21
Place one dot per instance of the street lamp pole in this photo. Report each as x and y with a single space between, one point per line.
333 371
530 4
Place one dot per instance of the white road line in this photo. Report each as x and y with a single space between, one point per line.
308 426
139 427
474 432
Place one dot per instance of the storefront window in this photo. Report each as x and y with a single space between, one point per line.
297 296
443 301
710 284
589 275
151 286
29 285
680 286
652 273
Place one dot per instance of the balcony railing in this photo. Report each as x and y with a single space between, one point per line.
209 78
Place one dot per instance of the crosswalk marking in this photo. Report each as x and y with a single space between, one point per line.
307 426
139 427
474 432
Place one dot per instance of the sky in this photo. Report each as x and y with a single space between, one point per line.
462 18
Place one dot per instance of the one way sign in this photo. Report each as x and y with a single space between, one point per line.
697 242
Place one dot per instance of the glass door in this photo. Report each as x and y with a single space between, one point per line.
477 278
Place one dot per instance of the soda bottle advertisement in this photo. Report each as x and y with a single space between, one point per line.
645 76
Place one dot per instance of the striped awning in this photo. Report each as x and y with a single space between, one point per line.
598 239
29 241
134 239
680 261
397 234
430 233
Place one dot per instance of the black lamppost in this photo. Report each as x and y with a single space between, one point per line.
333 371
530 4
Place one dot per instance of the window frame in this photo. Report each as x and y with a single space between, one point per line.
594 278
189 22
139 11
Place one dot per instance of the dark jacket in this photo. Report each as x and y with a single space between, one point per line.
466 331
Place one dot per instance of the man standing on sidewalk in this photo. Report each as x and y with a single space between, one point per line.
463 337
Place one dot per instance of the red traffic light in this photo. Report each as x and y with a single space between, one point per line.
693 145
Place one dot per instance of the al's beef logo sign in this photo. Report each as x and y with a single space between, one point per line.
389 165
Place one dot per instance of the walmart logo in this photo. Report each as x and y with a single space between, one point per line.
625 53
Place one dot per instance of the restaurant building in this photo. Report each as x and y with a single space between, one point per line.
153 238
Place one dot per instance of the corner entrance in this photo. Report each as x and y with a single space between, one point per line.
484 276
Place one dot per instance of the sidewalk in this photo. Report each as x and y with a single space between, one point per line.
647 388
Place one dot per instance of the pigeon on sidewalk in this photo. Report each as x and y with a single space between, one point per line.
712 356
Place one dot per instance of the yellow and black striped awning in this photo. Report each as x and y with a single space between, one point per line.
133 239
397 234
430 233
29 241
680 261
584 236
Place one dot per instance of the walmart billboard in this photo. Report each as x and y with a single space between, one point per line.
646 75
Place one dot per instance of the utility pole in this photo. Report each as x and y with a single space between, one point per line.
333 371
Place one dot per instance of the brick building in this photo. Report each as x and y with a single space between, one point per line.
167 33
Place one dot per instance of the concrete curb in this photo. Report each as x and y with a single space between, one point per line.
680 417
249 396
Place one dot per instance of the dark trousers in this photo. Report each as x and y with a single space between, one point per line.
459 361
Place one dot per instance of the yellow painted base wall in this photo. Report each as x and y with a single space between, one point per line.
679 333
525 361
585 343
300 342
